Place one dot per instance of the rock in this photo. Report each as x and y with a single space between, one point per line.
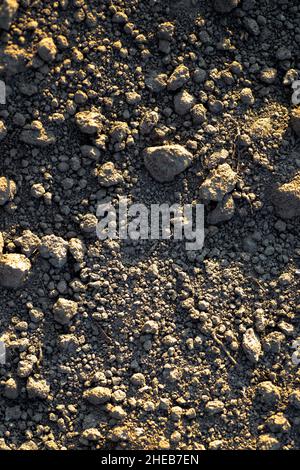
286 199
37 388
97 395
119 132
47 49
138 379
215 159
90 151
278 423
117 412
214 407
225 6
290 77
14 269
294 399
64 310
273 341
108 175
52 445
68 343
28 445
8 9
89 122
35 134
251 26
247 96
28 242
164 46
92 434
178 78
283 53
37 190
183 102
8 190
148 122
55 249
3 445
220 182
251 345
199 75
120 17
77 249
198 113
223 212
11 389
268 75
167 161
215 106
3 130
13 59
25 367
166 31
268 442
88 224
150 327
295 120
268 393
157 83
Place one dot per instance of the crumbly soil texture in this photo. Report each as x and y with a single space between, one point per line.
143 344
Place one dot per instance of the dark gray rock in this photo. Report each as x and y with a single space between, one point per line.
167 161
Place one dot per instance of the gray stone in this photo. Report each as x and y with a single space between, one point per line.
214 407
89 122
13 59
251 345
8 190
47 49
108 175
223 212
268 442
37 388
167 161
8 9
220 182
286 199
215 159
225 6
251 26
77 249
28 242
183 102
14 269
295 120
11 389
97 395
178 78
198 114
268 393
55 249
35 134
119 132
148 122
64 310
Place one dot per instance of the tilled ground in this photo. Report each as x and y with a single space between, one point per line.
143 344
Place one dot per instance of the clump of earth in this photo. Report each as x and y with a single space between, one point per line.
133 343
